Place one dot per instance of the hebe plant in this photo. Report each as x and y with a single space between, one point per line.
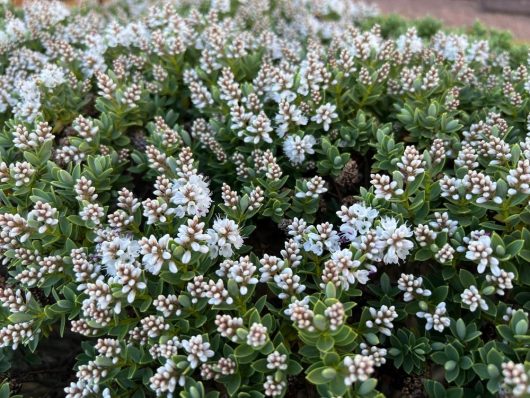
259 198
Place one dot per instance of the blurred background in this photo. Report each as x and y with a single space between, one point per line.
511 15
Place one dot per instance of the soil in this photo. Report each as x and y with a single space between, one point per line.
45 373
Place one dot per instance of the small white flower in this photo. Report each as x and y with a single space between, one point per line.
473 299
359 368
392 240
357 220
192 238
325 115
348 268
437 321
191 196
225 237
164 382
275 360
45 215
382 319
257 335
156 253
289 283
385 188
118 250
516 377
296 148
313 188
480 251
259 129
198 350
412 286
321 237
52 76
242 272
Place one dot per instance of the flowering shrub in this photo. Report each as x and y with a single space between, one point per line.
253 199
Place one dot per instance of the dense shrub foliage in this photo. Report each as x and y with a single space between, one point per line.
264 198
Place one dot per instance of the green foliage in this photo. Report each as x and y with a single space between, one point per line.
248 199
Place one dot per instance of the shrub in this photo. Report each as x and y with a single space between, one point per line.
263 199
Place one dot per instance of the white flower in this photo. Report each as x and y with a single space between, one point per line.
382 319
92 212
271 265
52 76
377 354
519 178
257 335
273 388
129 275
119 250
325 115
155 210
349 268
275 360
385 188
312 188
502 282
357 220
259 129
359 368
242 272
480 251
289 283
45 215
192 196
156 253
412 286
436 321
473 299
392 239
296 148
191 237
409 42
516 377
225 237
216 293
164 382
322 237
288 113
28 107
198 350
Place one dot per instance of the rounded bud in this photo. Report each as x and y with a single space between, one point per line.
450 365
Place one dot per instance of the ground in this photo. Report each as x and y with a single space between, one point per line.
459 13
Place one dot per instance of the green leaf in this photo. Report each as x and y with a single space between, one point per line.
316 377
367 386
439 294
423 254
261 365
232 383
19 317
466 278
74 219
481 370
4 390
325 343
514 248
294 368
461 329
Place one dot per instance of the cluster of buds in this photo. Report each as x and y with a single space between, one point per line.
382 319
